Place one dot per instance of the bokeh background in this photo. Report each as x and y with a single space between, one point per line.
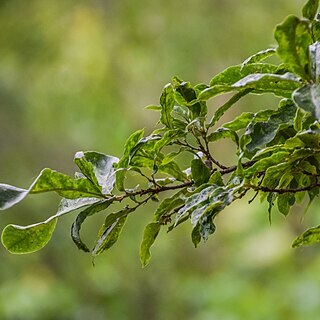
75 75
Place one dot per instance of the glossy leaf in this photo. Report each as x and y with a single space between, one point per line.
314 50
153 107
167 104
174 170
123 163
264 132
50 180
19 240
200 172
279 85
169 204
310 9
293 37
82 216
10 195
202 230
167 138
259 56
223 133
69 205
308 99
225 107
150 234
308 237
98 168
110 231
284 202
216 178
246 118
233 74
265 163
214 91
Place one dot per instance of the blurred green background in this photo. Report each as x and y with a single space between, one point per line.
75 75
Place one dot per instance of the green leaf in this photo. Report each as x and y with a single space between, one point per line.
110 231
201 194
19 240
169 204
123 163
315 27
223 133
263 132
150 234
10 195
172 155
279 85
216 178
284 202
259 56
51 180
167 104
298 119
260 83
167 138
314 50
98 168
202 230
225 107
82 216
310 236
143 142
214 91
245 118
173 169
202 216
293 37
68 205
233 74
267 162
185 94
152 107
200 172
310 9
308 99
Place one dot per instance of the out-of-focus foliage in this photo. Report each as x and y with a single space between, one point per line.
75 75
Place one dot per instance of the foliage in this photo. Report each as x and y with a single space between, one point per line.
277 153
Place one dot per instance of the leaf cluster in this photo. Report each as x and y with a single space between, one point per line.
278 153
